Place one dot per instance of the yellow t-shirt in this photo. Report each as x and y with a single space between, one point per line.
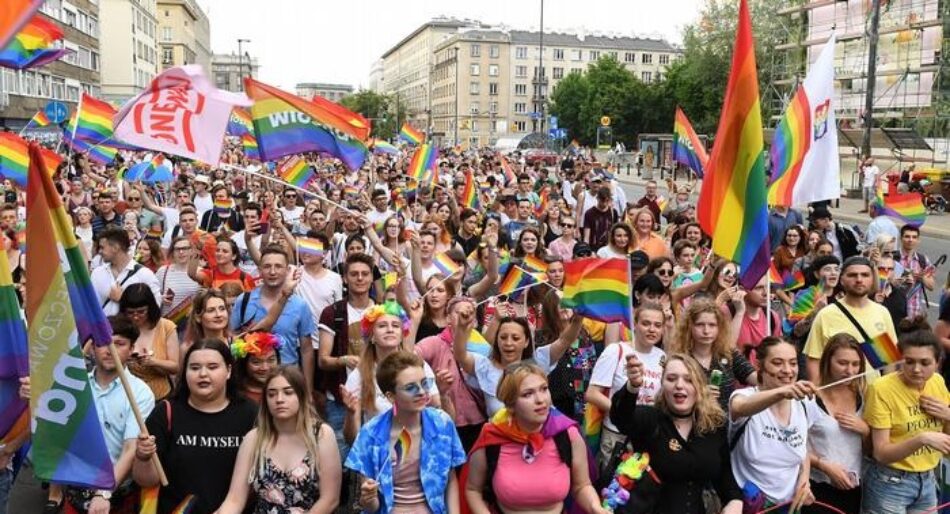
894 406
595 329
873 317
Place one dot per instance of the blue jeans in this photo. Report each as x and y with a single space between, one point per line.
6 484
891 491
336 414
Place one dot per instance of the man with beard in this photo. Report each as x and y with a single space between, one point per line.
856 313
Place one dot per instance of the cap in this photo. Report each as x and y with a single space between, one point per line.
855 260
820 213
203 179
582 250
639 260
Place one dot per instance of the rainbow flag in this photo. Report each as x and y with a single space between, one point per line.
240 122
390 280
14 361
789 146
186 506
446 265
296 171
533 263
688 150
350 191
907 207
354 122
14 158
381 146
805 302
179 314
881 350
251 150
67 449
14 14
478 344
33 45
469 195
510 176
39 119
516 280
148 500
223 207
423 164
401 447
286 124
51 160
787 281
309 246
542 206
92 121
411 135
732 203
103 154
882 278
599 289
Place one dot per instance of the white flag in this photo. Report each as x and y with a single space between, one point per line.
804 153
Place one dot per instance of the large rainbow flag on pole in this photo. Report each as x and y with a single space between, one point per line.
907 207
599 289
423 164
14 361
804 152
688 150
68 445
410 135
14 14
732 208
33 46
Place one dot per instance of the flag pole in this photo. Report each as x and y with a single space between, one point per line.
135 410
514 291
279 181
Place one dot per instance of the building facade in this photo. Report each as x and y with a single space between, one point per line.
184 34
130 56
332 92
228 70
488 84
376 76
23 93
407 67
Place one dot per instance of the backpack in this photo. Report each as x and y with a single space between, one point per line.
564 450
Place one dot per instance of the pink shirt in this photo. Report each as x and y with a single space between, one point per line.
562 249
437 352
516 482
752 331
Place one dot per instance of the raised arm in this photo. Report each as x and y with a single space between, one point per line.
464 324
567 338
744 406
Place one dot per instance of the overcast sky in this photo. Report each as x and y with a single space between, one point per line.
337 40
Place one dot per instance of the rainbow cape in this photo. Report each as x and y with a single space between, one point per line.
296 171
14 14
688 150
33 45
732 207
14 361
286 124
66 449
907 207
445 264
423 164
411 135
599 289
881 350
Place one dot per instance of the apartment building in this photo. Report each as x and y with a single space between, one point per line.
228 70
184 34
130 59
332 92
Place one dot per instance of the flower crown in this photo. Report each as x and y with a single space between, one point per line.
255 343
375 312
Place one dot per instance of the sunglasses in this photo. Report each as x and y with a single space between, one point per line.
664 272
418 388
567 225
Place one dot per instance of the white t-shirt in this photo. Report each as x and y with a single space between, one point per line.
830 441
292 216
246 263
203 204
375 217
427 272
319 293
354 384
487 376
606 252
610 371
871 174
768 453
102 281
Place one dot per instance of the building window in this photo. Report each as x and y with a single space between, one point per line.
521 52
575 55
475 70
473 88
521 108
557 73
594 55
646 58
70 18
521 126
492 70
58 88
493 107
166 33
521 71
72 93
168 55
536 72
475 126
494 51
475 50
93 26
659 76
577 70
558 54
613 55
493 88
646 76
629 57
521 89
474 108
664 59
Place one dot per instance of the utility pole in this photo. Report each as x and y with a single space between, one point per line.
241 42
871 78
541 74
456 95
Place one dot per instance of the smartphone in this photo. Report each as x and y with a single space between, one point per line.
715 378
263 227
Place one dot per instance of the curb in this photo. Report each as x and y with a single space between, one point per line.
935 232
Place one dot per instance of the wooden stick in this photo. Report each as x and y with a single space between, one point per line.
437 285
515 291
135 410
848 379
279 181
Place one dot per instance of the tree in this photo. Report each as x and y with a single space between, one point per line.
379 109
566 102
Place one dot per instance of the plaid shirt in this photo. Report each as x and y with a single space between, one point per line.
916 299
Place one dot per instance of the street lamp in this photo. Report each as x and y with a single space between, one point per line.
541 74
456 95
241 42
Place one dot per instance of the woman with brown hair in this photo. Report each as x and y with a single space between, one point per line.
154 356
703 333
684 434
209 318
792 247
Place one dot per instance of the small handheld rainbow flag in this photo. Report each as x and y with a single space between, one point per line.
805 302
350 191
907 207
881 350
39 119
310 246
469 195
390 280
788 281
223 207
179 314
515 282
510 176
599 289
688 150
411 135
401 447
423 163
251 150
381 146
533 263
882 278
295 171
446 265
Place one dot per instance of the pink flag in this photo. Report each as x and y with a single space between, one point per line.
181 113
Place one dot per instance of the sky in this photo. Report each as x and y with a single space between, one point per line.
337 41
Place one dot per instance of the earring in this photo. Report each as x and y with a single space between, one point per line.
395 407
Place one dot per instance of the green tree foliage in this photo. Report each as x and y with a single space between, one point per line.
379 109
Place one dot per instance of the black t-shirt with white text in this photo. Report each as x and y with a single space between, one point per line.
199 452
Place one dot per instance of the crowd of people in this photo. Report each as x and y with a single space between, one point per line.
303 349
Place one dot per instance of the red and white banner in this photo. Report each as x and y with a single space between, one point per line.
181 113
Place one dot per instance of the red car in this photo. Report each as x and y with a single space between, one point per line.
547 157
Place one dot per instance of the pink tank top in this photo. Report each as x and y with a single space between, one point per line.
516 482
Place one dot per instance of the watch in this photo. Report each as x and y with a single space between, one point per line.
105 494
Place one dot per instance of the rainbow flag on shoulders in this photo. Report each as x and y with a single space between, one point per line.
599 289
411 135
688 150
68 444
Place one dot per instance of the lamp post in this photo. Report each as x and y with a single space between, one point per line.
541 73
241 42
456 95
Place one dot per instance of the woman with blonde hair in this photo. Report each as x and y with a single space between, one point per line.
644 237
289 459
703 333
684 434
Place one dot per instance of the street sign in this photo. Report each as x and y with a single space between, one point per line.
605 121
561 133
535 115
56 112
552 133
552 122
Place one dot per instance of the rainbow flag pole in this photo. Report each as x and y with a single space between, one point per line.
522 288
287 184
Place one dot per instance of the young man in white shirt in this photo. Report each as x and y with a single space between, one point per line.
319 287
870 175
119 271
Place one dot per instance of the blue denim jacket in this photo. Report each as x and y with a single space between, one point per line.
441 452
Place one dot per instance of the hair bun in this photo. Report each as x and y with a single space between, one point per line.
914 324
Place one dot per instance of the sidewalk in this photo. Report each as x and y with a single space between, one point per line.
936 226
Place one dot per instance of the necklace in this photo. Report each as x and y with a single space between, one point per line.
527 454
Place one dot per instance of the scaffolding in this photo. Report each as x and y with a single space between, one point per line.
912 86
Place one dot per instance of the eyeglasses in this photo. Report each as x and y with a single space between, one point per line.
664 272
138 311
182 248
418 388
567 225
290 196
134 199
885 268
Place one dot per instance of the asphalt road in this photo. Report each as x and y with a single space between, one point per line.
932 246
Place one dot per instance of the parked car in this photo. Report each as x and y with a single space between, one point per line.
547 157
